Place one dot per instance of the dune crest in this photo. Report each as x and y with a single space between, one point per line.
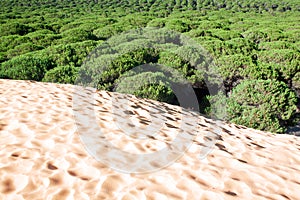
42 156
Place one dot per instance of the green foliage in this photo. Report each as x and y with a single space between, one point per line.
135 20
215 106
26 68
70 54
262 104
2 57
279 64
61 74
185 65
256 36
132 6
239 45
232 69
275 45
76 35
23 49
296 82
9 42
106 69
178 25
14 29
223 35
158 22
43 37
173 60
147 85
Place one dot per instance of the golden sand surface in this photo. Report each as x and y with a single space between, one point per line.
42 156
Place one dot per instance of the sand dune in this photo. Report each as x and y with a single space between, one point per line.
43 157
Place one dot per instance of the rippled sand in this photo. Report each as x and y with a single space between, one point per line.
42 156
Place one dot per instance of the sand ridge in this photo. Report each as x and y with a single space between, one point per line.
42 157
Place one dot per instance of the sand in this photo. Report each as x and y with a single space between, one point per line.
43 157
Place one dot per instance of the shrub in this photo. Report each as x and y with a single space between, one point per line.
224 34
69 54
76 35
262 104
275 45
26 68
2 57
177 25
105 69
178 62
296 85
107 32
22 49
239 45
158 22
14 29
11 41
256 36
62 74
154 86
232 68
43 37
278 64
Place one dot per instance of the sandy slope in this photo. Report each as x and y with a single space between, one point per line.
42 157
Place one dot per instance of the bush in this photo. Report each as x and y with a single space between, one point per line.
158 22
2 57
104 70
278 64
239 45
296 85
22 49
262 104
76 35
177 25
14 29
178 62
275 45
11 41
147 85
107 32
43 37
256 36
62 74
70 54
26 68
232 68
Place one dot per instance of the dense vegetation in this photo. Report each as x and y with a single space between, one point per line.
254 44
